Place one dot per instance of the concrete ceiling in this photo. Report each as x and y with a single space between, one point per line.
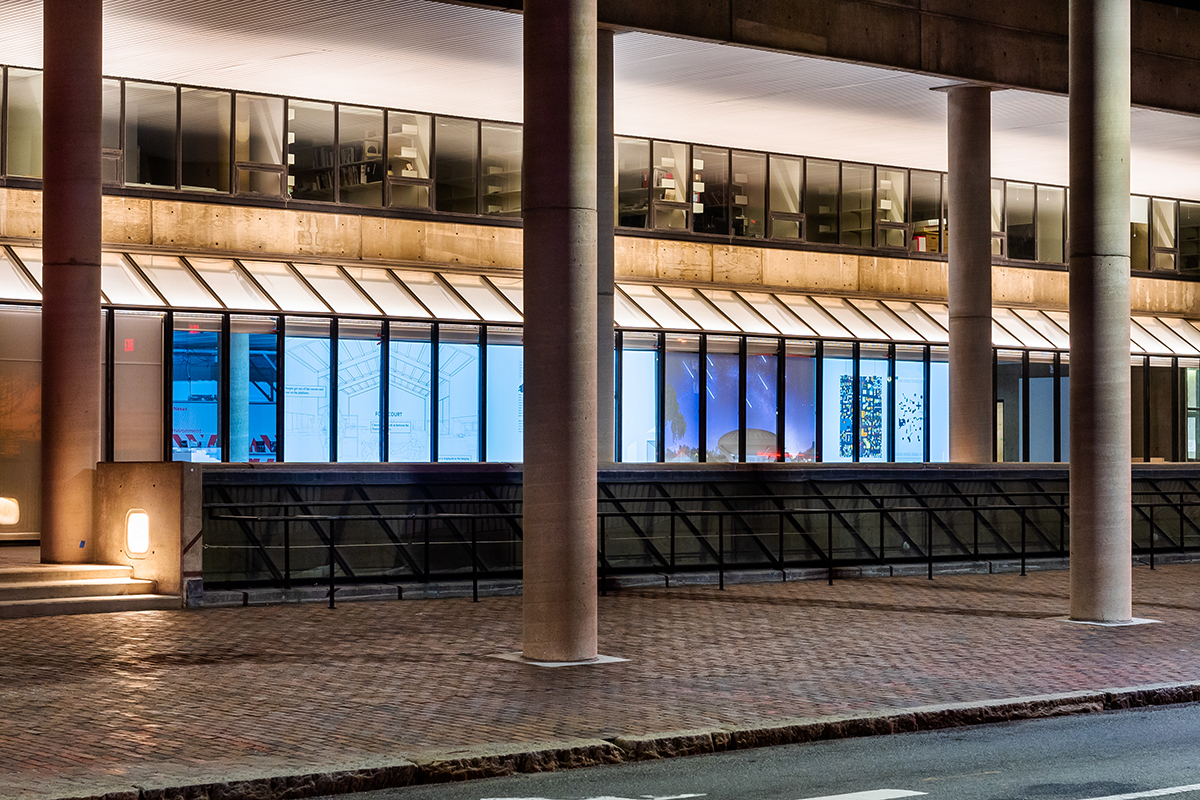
422 55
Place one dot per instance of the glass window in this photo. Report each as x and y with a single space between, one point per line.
710 190
437 298
633 182
1164 232
341 294
681 428
387 292
748 189
666 314
1041 407
821 201
258 139
891 211
786 192
737 310
874 406
926 212
721 387
910 404
150 116
850 318
24 134
998 248
253 389
639 397
458 393
800 394
814 316
288 291
698 308
119 281
454 165
775 312
1045 327
1139 233
360 156
359 393
1189 238
20 411
939 404
205 123
919 321
231 284
1051 202
1024 333
857 219
1162 424
14 283
505 395
885 320
110 132
1010 414
762 411
1019 205
175 282
409 366
137 386
1064 408
195 392
408 158
306 391
259 132
837 403
31 257
511 288
627 314
670 186
486 301
500 146
311 157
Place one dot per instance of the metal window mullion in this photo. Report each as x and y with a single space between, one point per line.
233 143
385 389
819 402
333 389
3 122
1146 403
1057 406
434 389
618 392
856 400
178 138
110 373
337 153
482 427
280 407
702 410
781 400
743 367
927 445
996 454
660 388
891 402
479 168
168 394
1176 428
1026 445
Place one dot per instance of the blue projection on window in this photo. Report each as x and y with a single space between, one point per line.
683 406
505 402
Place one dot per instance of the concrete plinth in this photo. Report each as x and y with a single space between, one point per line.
72 332
559 207
972 432
1101 483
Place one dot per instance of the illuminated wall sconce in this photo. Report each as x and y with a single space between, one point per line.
10 511
137 532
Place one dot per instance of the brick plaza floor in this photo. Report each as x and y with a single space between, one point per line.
91 704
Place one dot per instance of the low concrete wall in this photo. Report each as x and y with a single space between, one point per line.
171 495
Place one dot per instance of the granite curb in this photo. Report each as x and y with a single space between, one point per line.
489 761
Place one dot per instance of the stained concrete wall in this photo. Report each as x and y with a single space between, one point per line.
1017 43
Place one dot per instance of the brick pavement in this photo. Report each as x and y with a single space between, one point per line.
94 704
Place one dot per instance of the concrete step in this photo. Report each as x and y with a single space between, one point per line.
14 609
52 573
87 587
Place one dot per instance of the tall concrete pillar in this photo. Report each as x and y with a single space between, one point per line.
71 325
239 397
559 207
1101 482
970 238
605 252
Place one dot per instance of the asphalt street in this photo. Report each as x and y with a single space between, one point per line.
1115 756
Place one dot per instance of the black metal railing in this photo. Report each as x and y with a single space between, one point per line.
389 527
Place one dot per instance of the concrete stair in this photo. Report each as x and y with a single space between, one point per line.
37 590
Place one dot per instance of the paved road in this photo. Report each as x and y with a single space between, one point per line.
1113 755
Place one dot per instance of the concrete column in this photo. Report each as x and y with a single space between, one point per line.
239 397
71 325
969 224
559 207
1101 482
605 253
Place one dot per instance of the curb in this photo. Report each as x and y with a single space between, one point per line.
498 761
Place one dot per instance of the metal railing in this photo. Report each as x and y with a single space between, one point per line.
286 534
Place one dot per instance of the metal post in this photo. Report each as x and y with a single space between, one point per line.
603 557
474 563
782 564
1152 504
673 516
929 540
287 554
829 546
1022 545
721 551
332 588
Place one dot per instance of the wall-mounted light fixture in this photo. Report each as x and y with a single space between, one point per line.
10 511
137 532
